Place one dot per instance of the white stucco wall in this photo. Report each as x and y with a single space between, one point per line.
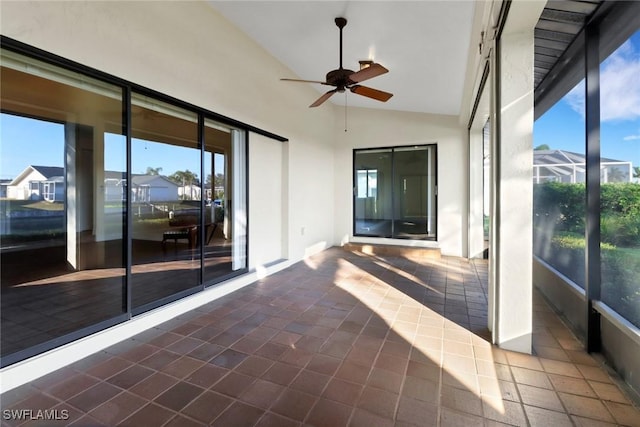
266 203
377 128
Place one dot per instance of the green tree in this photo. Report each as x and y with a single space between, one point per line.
636 171
185 178
153 171
217 182
616 175
542 147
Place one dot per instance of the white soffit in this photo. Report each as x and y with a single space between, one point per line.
424 44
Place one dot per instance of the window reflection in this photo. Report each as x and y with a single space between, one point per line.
225 242
165 200
62 234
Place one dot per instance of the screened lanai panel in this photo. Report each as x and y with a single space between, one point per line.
559 201
620 182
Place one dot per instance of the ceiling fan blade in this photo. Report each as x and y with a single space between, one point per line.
376 94
323 98
304 81
370 72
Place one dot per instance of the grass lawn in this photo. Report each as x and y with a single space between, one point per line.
28 205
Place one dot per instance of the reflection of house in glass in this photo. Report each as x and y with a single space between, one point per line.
146 188
38 183
47 183
153 188
569 167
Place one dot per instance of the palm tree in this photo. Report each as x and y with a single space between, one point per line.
636 171
153 171
184 178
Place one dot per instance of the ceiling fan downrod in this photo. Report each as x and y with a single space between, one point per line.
341 23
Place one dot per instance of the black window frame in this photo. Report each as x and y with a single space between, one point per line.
354 186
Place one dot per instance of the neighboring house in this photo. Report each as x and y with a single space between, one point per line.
153 188
145 189
115 184
570 167
47 183
190 192
4 185
38 183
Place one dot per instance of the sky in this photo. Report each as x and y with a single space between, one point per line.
563 126
41 143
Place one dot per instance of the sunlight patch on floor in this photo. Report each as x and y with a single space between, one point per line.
465 360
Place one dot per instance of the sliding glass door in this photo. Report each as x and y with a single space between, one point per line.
114 200
395 192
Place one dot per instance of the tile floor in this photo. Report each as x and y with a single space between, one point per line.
340 339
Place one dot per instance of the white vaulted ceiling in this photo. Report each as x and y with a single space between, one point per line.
424 44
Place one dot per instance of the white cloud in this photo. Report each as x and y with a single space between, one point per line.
631 138
575 98
619 86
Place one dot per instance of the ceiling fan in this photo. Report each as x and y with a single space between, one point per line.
344 79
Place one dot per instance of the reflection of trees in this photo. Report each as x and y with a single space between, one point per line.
185 178
218 182
614 174
153 171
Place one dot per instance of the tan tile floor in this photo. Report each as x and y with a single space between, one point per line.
340 339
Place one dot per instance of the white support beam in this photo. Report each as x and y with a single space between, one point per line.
511 171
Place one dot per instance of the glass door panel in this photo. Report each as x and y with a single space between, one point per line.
412 203
62 227
165 192
225 207
373 193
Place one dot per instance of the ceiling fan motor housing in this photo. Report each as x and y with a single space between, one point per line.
339 78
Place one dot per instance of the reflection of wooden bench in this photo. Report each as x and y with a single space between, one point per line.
188 233
185 227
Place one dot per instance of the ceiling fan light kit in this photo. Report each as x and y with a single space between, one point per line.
343 79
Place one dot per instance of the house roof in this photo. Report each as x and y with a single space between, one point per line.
47 173
115 175
148 179
563 157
